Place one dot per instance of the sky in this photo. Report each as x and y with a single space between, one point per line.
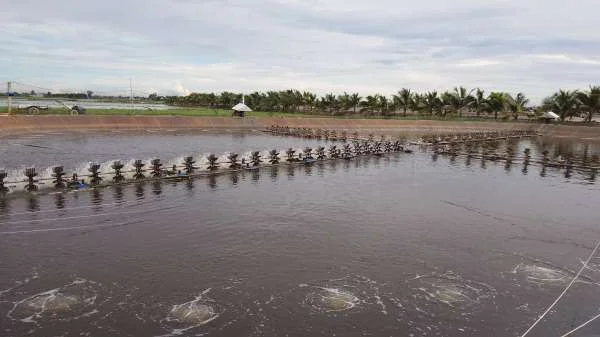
368 46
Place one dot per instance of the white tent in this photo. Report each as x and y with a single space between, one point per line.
241 107
551 115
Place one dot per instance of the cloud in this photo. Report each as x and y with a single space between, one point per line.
178 46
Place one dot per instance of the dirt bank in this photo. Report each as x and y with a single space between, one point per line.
15 125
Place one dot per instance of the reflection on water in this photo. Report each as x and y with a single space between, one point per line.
274 172
139 190
118 192
571 159
59 200
4 205
291 171
189 184
255 175
96 199
212 182
157 187
235 178
33 203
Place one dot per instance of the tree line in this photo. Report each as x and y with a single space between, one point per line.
456 102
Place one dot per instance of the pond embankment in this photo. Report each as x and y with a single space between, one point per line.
16 125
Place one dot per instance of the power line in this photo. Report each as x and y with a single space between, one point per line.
564 291
582 325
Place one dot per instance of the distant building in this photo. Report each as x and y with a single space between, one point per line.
549 115
240 109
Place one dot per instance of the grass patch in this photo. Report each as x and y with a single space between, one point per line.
198 112
207 112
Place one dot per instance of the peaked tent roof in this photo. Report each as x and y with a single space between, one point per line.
241 107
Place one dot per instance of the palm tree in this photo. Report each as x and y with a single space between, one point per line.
431 101
590 101
564 102
355 101
479 102
383 104
344 101
516 104
496 102
309 99
272 101
369 104
404 99
330 102
462 98
417 102
449 103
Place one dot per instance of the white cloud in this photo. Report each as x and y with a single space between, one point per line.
177 46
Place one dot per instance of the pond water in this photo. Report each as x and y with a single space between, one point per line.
402 245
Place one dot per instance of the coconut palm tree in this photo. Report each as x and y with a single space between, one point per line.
369 104
309 100
516 104
344 101
479 102
564 102
404 99
355 101
417 102
496 102
590 102
383 104
449 103
462 99
431 101
272 101
330 102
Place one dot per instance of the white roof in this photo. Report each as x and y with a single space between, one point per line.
550 114
241 107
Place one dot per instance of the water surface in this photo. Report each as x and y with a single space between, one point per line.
404 245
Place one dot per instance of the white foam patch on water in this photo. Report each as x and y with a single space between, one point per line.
437 298
381 304
177 161
223 157
450 289
192 314
331 299
351 294
246 155
542 274
202 160
15 175
69 302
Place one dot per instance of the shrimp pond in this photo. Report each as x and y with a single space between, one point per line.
403 244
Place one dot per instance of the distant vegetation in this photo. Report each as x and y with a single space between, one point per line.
459 102
456 103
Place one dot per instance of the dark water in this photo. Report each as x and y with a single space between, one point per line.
76 151
404 245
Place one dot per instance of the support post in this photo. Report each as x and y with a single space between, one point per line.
9 96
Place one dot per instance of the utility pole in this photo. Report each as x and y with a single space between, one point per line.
9 96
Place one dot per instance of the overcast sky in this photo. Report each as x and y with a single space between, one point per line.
366 46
